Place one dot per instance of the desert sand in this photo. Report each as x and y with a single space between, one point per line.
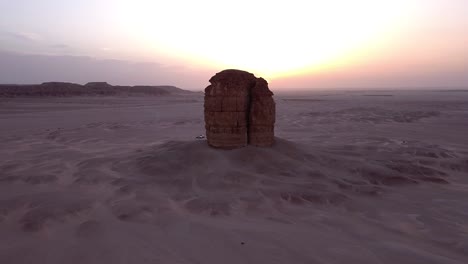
354 177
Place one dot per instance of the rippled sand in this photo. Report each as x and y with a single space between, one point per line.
355 177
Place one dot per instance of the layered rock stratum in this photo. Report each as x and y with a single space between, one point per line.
239 110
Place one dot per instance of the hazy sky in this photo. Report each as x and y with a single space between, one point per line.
292 43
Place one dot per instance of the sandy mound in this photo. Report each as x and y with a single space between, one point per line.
190 177
251 180
217 180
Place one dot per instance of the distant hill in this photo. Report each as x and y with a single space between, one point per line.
63 89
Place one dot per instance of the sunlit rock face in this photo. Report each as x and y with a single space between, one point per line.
239 110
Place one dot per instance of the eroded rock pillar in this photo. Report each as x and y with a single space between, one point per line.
239 110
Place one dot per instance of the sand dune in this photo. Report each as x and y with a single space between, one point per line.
350 179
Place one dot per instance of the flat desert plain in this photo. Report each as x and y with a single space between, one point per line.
354 177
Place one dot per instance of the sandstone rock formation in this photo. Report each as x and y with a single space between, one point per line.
239 110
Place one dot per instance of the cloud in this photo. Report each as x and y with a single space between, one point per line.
21 36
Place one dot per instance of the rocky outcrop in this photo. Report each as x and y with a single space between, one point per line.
63 89
239 110
98 85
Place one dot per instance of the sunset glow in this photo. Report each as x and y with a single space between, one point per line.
291 43
271 38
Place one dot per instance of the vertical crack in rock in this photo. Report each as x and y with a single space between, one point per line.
261 129
239 110
247 115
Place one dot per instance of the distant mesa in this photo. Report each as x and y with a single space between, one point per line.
64 89
97 84
239 111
